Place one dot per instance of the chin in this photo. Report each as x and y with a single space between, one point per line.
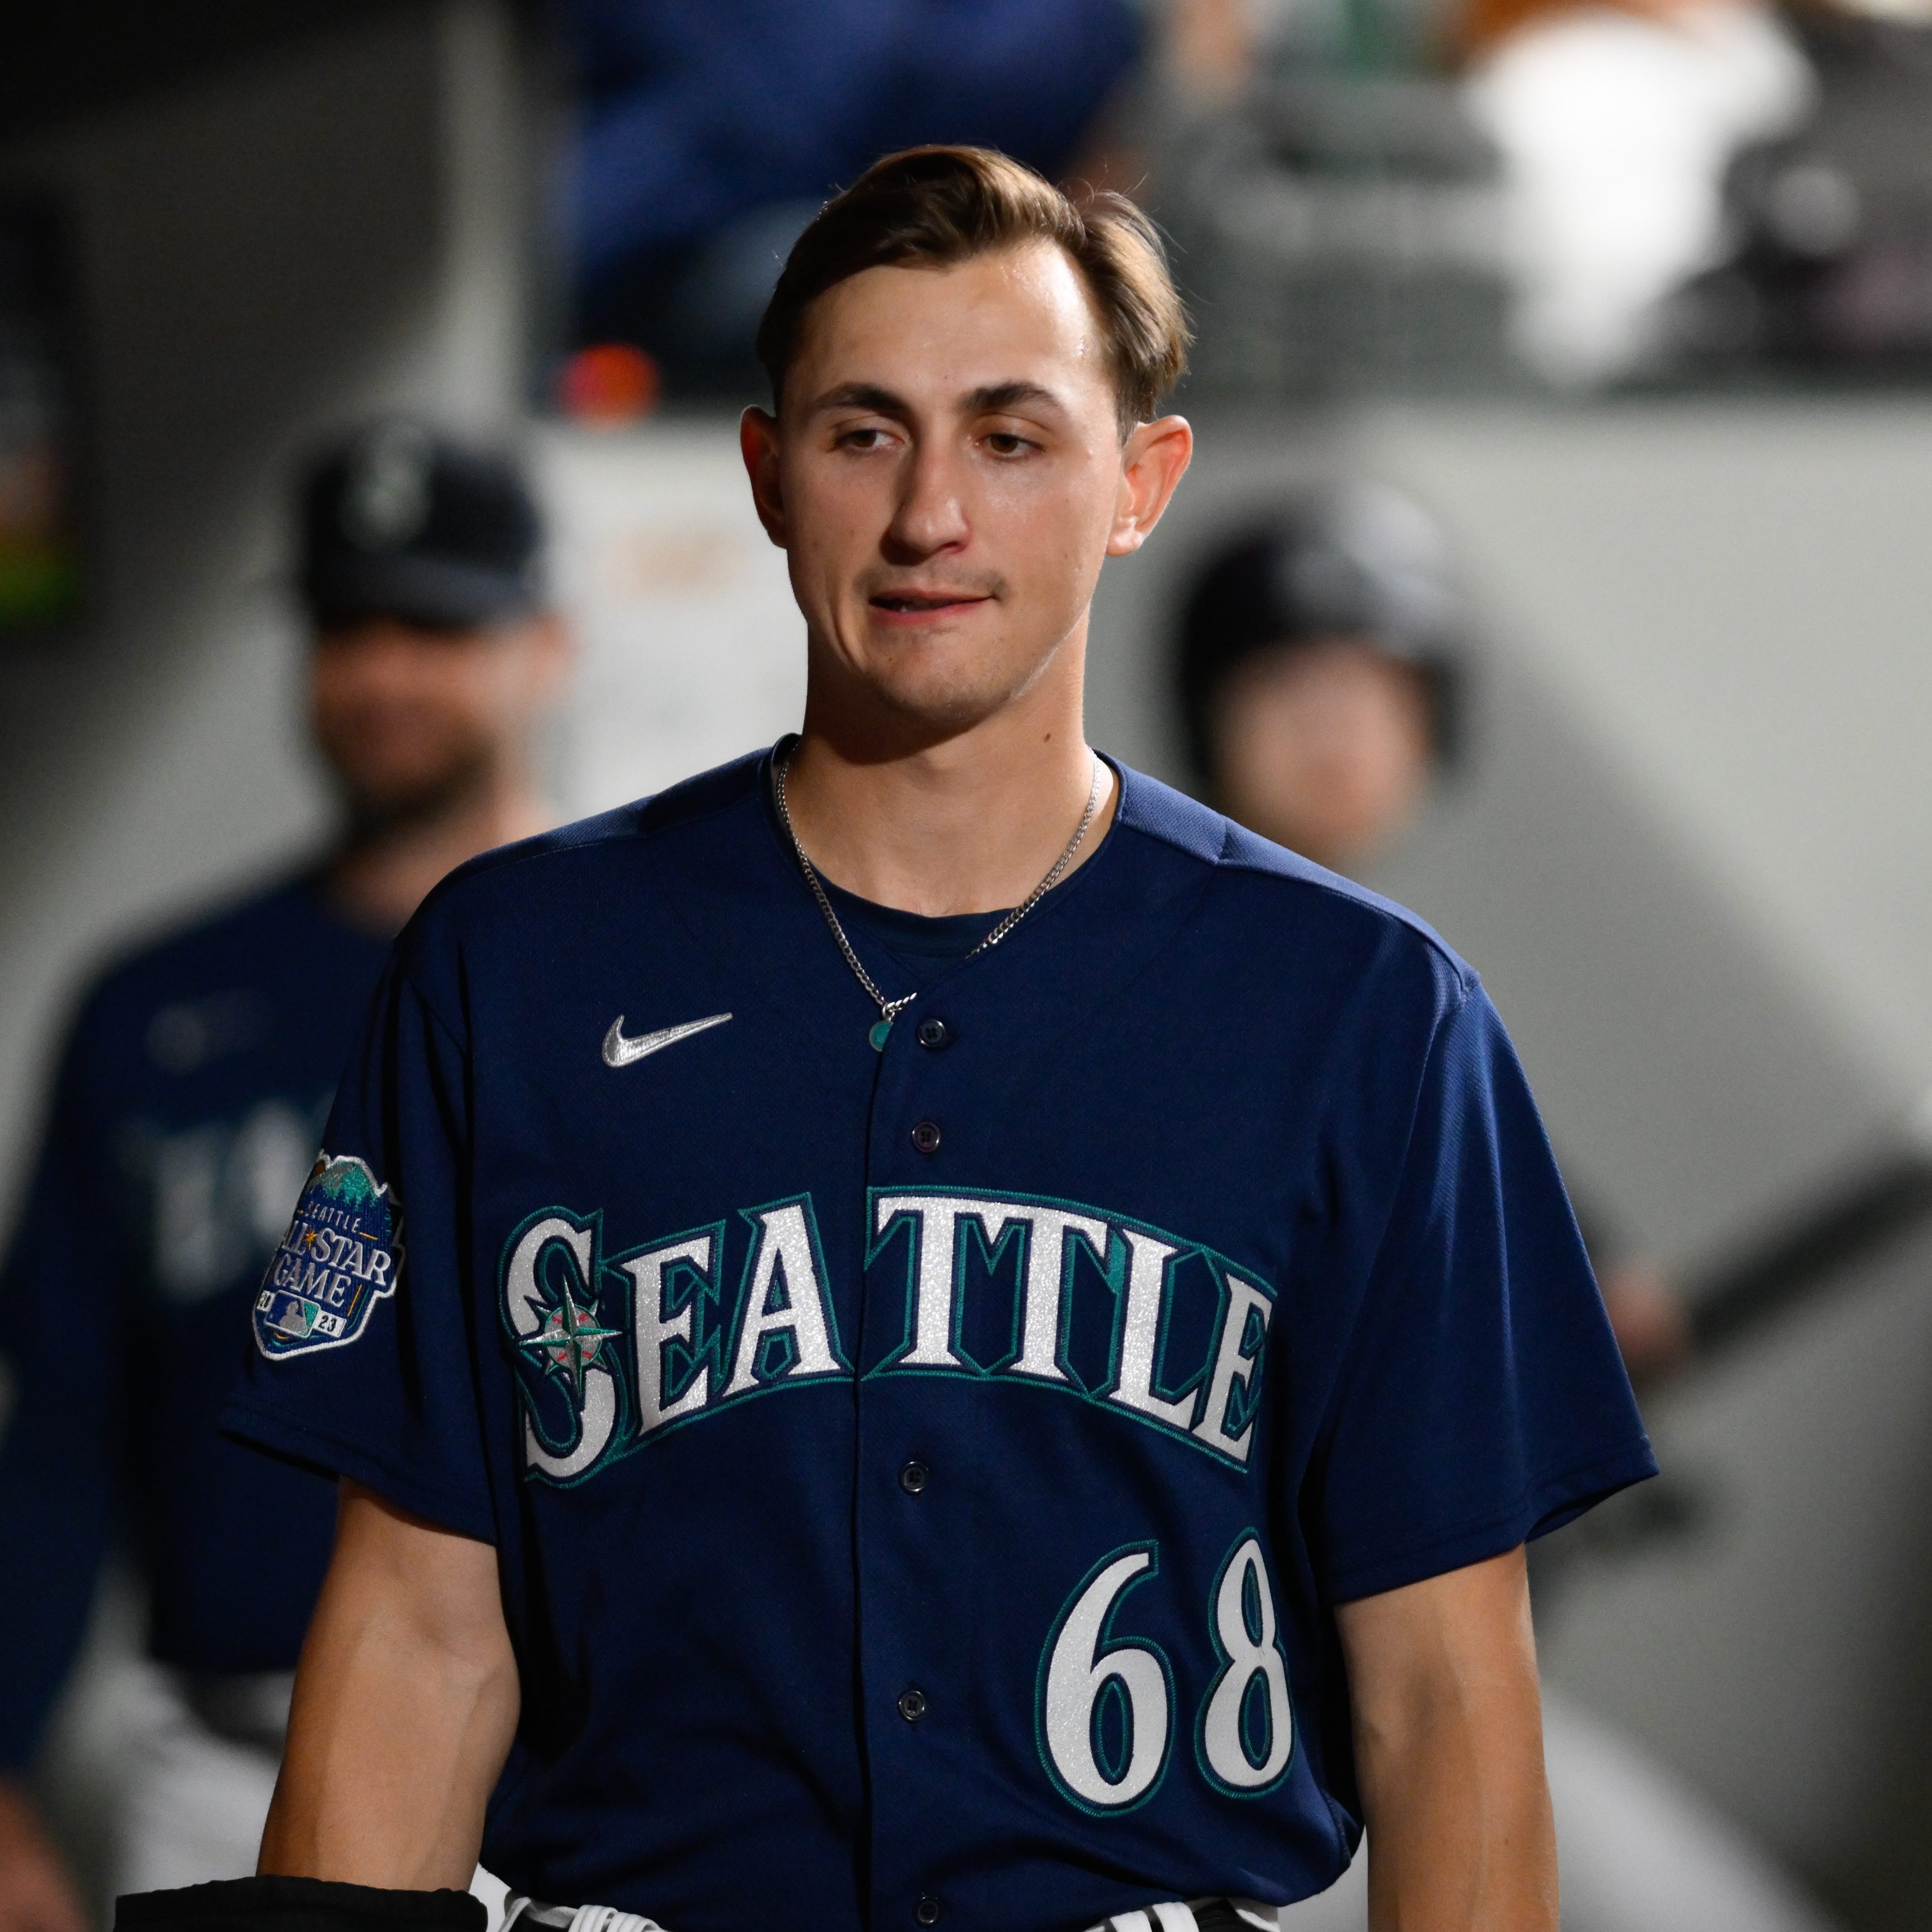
947 699
392 798
945 709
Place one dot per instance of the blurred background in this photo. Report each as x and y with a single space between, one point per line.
1627 306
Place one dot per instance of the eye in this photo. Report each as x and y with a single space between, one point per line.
1007 442
865 437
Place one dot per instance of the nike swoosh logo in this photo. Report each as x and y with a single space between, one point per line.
619 1051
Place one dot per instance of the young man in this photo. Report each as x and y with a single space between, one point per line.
186 1114
923 1330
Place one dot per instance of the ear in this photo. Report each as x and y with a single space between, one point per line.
1152 461
758 444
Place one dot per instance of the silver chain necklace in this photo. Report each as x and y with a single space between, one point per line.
890 1010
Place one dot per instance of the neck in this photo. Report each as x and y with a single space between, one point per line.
383 870
970 822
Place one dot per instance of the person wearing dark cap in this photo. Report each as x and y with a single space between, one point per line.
183 1121
1319 670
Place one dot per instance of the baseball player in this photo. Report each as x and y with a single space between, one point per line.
920 1330
188 1110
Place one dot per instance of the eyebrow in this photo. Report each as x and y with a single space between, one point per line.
990 399
997 397
863 396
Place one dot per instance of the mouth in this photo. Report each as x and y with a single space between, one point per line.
911 606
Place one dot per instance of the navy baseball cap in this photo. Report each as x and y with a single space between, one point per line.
402 521
1353 560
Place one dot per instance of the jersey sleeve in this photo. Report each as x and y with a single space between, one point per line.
1482 1400
363 1361
60 1296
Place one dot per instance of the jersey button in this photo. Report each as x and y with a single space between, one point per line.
925 1137
926 1911
914 1477
912 1705
934 1032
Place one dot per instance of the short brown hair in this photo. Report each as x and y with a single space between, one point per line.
934 206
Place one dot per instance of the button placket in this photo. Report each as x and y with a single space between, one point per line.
917 1091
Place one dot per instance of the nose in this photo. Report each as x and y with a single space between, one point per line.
930 515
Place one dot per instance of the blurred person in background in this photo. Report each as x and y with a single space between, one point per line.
1319 670
710 132
1618 121
1320 666
185 1115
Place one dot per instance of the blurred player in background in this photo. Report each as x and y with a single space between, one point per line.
185 1116
1320 669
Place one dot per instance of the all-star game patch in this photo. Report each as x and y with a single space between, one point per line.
340 1257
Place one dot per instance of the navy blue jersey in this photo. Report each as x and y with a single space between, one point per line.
187 1109
929 1474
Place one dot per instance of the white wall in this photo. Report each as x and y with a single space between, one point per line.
691 649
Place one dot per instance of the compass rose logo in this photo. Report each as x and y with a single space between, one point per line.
569 1342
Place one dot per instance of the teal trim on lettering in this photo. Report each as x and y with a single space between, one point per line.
914 1230
618 1369
715 1332
707 1334
1147 1644
1249 1535
1109 1266
722 1343
1115 1265
784 1378
1244 1400
1015 1235
1197 1383
876 1243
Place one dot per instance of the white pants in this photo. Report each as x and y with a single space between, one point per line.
1637 1851
195 1803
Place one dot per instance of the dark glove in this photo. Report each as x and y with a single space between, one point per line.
297 1905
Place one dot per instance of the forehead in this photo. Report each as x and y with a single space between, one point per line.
1015 314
